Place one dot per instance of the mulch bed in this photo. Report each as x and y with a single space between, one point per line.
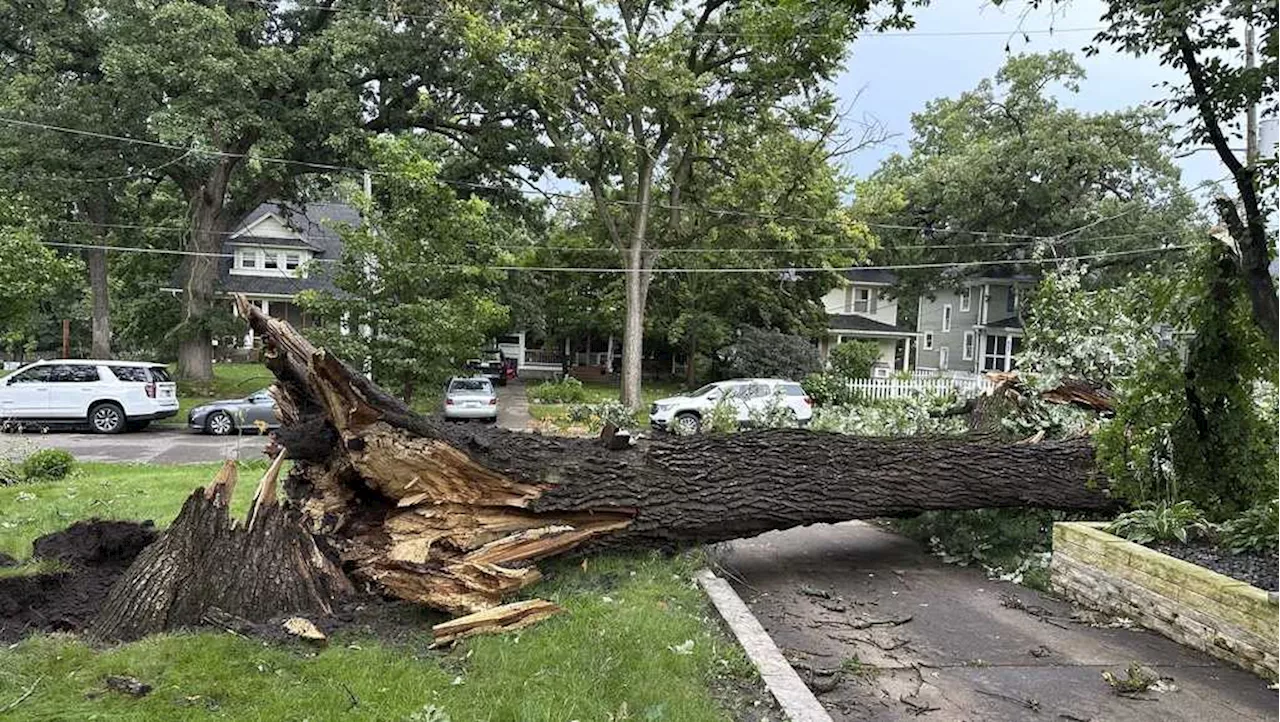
1256 568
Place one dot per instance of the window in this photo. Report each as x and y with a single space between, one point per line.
1011 300
73 373
970 341
943 357
928 341
862 300
292 261
270 260
946 318
966 299
996 353
37 375
130 373
247 257
160 373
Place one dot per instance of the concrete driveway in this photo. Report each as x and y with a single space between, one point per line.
916 639
159 444
155 445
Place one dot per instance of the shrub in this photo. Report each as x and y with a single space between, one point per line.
595 416
47 465
826 389
1256 530
1161 522
897 417
773 415
722 419
759 352
565 391
854 359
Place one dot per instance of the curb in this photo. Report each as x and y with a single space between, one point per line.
795 698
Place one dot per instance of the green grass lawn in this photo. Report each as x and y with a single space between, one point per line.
621 651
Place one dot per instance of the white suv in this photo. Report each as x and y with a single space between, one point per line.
745 397
108 396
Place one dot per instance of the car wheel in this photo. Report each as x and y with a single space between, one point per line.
107 418
219 423
138 425
688 423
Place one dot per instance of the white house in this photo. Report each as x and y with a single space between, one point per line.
863 309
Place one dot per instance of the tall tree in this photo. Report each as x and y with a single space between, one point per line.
993 173
631 96
256 100
1204 40
411 298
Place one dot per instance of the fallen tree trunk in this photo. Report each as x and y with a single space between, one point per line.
454 516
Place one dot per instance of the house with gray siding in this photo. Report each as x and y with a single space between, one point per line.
863 308
974 327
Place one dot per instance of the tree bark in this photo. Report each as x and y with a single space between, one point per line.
255 570
454 516
200 274
96 260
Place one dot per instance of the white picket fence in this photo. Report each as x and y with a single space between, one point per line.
878 389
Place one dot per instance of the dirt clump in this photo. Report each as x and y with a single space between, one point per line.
93 554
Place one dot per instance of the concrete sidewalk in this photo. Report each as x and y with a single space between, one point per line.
918 639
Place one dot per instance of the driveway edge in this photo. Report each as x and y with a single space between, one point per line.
795 698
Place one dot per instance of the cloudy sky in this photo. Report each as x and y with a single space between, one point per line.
897 74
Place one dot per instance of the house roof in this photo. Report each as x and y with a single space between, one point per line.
853 322
316 222
871 276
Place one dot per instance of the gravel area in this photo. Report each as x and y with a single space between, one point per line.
1256 568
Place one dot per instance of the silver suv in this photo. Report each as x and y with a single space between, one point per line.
745 397
108 396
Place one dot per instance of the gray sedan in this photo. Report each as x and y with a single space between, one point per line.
470 398
225 417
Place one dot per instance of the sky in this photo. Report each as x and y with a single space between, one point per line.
892 76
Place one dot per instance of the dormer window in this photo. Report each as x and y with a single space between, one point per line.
862 300
270 260
247 258
292 261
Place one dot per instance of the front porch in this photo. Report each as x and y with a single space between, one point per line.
896 349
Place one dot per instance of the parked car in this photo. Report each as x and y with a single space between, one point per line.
107 396
257 410
470 398
494 365
745 396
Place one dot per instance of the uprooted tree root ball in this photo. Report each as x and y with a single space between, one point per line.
454 518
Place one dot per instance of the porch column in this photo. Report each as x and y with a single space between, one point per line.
608 361
906 354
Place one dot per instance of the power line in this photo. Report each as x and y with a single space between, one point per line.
738 269
539 192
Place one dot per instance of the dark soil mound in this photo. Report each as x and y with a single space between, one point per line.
1256 568
95 543
95 553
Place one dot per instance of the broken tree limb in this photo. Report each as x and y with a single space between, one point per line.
453 516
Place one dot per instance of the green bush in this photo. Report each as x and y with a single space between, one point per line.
1256 530
565 391
763 353
854 359
595 416
827 389
48 465
1161 522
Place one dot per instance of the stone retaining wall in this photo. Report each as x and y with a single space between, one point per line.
1187 603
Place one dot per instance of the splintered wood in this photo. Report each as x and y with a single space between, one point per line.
506 618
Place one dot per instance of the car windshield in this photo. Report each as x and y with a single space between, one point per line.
704 390
478 385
